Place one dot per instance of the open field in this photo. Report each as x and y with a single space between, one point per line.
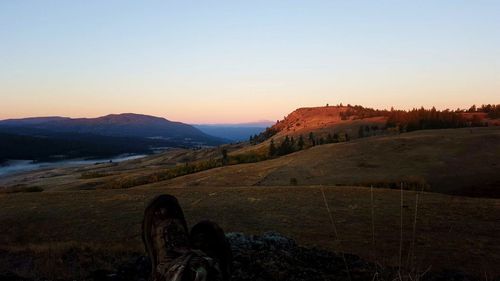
77 224
452 161
68 234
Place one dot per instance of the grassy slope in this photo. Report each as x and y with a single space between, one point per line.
68 234
319 120
71 178
454 161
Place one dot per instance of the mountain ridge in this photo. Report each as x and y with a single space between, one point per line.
120 125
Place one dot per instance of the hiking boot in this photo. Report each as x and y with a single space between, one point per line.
164 233
208 237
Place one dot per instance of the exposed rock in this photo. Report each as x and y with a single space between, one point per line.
272 256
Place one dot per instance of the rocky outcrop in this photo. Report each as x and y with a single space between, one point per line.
272 256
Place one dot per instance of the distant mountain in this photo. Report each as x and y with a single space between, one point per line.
32 121
235 132
115 125
56 138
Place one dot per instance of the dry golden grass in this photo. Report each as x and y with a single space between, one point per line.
67 231
109 175
58 231
455 161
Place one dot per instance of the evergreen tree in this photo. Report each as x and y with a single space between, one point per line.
285 147
329 138
224 156
300 143
311 139
272 148
336 138
361 132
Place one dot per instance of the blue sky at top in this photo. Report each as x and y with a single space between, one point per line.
235 61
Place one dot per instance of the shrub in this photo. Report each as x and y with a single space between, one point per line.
92 175
21 188
250 157
408 184
32 189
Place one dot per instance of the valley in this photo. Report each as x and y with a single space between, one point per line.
459 162
438 189
330 140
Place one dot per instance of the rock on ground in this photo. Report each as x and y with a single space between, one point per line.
272 256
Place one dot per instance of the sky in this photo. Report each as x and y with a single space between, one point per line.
241 61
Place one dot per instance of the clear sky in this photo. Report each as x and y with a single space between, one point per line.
236 61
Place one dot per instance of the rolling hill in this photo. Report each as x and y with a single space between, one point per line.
322 119
299 194
322 122
115 125
452 161
56 138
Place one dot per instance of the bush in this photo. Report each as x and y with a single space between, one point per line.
250 157
92 175
33 189
408 184
177 171
21 188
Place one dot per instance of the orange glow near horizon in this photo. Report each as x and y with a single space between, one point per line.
209 102
236 61
195 113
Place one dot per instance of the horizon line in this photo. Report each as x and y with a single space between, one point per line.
242 122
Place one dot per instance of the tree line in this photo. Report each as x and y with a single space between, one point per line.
492 110
424 119
408 120
400 120
290 144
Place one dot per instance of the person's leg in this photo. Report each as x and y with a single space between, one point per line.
209 237
165 236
